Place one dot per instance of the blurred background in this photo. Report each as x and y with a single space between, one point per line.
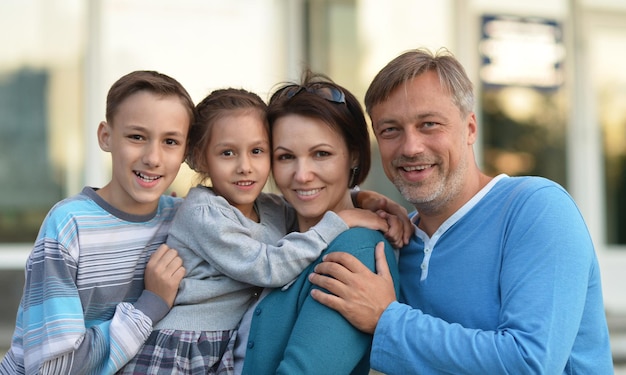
549 78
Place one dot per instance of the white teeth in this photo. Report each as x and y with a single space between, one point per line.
308 192
146 178
244 183
416 168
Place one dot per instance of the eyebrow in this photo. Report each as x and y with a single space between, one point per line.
418 117
147 129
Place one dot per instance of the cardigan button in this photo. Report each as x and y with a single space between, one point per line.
257 311
250 344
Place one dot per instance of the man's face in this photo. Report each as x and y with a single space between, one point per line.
425 143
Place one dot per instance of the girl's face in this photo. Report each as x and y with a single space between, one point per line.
311 165
238 158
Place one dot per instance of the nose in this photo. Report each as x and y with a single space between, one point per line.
303 172
413 143
244 166
152 154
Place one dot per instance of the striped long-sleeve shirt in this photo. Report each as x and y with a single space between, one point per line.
84 308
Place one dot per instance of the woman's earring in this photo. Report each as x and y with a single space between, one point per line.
353 173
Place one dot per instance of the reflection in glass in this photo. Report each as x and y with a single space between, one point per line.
523 132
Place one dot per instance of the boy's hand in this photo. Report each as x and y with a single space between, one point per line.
163 274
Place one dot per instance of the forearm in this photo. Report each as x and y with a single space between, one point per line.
236 251
103 348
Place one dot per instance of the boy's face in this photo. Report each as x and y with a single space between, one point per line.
147 144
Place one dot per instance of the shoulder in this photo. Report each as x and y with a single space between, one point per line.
202 205
65 215
531 188
536 202
364 235
526 183
79 204
204 196
361 242
357 241
168 206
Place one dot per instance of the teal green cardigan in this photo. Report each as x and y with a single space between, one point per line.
291 333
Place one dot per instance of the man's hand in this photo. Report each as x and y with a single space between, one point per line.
163 274
358 294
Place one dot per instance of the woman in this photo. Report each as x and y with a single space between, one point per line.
321 150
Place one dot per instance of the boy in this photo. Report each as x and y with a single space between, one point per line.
85 308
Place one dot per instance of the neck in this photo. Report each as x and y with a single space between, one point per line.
431 216
249 212
306 222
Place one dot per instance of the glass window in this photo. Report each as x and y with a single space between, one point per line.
37 84
522 103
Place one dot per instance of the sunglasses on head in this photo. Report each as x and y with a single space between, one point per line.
330 93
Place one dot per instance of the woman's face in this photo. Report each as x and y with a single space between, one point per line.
311 165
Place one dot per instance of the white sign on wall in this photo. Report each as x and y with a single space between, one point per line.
521 51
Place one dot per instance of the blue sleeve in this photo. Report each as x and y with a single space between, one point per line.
322 341
549 283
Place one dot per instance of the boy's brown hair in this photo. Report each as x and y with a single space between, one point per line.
151 81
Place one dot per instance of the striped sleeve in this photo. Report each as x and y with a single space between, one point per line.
55 338
79 315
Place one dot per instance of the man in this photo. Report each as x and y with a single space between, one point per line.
501 275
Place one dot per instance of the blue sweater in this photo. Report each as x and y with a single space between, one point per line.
293 334
510 284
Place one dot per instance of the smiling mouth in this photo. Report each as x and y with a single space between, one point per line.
307 193
147 178
416 168
244 183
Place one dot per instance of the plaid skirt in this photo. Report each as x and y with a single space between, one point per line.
169 351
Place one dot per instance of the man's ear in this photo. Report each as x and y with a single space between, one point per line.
472 128
104 136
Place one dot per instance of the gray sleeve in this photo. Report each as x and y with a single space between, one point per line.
221 238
